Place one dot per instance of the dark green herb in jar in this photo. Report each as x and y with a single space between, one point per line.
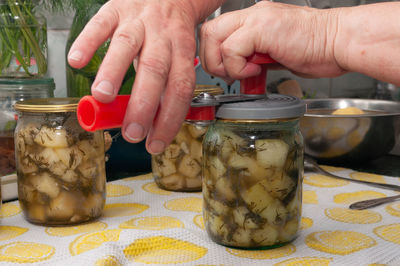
60 167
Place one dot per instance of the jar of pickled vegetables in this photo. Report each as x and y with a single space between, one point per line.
60 167
253 172
178 168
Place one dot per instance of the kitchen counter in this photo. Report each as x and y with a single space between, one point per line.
143 224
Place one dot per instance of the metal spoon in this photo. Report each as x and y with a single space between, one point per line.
365 204
310 164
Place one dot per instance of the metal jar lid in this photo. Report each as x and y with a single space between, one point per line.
210 89
49 105
274 106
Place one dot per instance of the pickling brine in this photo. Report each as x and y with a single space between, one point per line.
252 180
60 167
178 168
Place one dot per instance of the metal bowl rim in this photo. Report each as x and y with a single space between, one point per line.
354 102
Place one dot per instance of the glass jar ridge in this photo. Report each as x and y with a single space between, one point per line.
252 182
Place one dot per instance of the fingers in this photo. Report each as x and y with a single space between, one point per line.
125 45
225 45
95 33
234 56
176 99
212 34
210 56
150 81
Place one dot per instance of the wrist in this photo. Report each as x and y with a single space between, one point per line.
332 42
199 10
340 37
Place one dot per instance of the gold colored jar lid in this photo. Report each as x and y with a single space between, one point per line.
48 105
211 89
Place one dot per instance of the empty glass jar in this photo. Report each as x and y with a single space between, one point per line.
60 167
253 172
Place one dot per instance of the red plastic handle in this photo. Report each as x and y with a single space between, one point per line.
94 115
256 84
203 113
261 59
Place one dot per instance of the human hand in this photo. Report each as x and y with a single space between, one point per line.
299 38
160 34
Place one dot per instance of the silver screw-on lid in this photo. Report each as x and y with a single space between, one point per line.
274 106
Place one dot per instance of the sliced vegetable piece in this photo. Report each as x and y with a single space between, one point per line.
265 236
172 151
271 152
173 182
196 131
52 137
189 167
62 207
257 197
44 183
167 167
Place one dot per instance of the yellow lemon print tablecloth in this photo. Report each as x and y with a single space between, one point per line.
145 225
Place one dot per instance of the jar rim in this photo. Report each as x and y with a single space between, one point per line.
211 89
255 121
49 105
26 81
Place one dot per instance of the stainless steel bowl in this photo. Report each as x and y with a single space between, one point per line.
350 138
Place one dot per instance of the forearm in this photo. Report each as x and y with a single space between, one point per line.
367 40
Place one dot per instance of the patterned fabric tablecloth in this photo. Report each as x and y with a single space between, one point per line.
143 224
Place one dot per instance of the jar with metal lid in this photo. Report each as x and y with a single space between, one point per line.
60 167
178 168
253 171
11 91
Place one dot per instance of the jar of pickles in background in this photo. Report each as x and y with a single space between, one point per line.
178 168
60 167
253 172
12 91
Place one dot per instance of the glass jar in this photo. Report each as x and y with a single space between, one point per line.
11 91
79 81
60 167
253 172
178 168
23 46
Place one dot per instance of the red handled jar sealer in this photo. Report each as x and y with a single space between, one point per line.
94 115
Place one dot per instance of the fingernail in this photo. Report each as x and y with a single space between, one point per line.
105 87
156 147
134 132
75 55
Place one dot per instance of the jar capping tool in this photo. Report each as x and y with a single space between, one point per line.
94 115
